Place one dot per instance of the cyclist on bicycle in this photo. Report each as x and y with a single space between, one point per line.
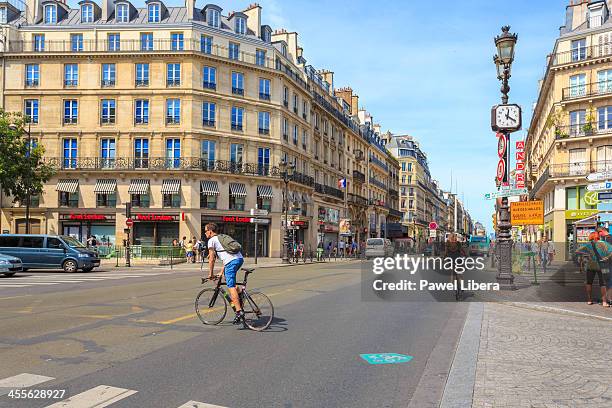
454 250
231 266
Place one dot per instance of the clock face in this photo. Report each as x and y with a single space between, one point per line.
508 117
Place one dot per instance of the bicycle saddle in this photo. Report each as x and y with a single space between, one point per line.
248 270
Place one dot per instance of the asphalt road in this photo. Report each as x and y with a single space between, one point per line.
139 337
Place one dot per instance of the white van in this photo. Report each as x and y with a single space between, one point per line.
378 247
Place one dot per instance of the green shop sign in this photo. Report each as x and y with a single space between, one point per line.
579 214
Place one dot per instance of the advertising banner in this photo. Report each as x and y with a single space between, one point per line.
527 213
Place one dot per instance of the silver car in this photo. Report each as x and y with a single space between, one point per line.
378 247
9 265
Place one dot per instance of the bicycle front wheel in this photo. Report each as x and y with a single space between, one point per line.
258 311
211 308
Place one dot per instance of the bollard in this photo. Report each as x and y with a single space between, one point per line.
171 259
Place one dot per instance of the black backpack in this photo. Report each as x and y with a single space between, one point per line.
229 244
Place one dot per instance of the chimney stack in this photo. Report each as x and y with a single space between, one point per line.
253 13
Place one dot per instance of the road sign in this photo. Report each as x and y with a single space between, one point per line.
259 221
602 175
129 222
527 213
607 196
506 193
256 212
601 186
433 225
432 233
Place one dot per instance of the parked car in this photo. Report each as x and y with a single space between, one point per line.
9 265
378 247
479 246
49 252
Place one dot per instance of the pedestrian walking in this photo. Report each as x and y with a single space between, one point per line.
341 247
354 248
543 253
189 251
597 252
551 252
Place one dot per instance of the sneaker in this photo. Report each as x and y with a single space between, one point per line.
239 317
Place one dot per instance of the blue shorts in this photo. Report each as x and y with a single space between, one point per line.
230 270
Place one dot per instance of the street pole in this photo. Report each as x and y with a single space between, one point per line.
28 188
256 207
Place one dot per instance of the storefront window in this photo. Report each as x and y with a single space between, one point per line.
140 200
68 199
572 198
172 200
264 203
236 203
106 200
208 201
584 206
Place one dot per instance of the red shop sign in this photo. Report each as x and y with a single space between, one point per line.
240 220
156 217
86 217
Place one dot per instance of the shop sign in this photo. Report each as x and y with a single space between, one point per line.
87 217
579 214
603 185
299 223
599 176
527 213
236 219
331 228
157 217
345 227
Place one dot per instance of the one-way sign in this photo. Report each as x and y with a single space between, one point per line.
506 193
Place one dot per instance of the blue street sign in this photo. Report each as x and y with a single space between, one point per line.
386 358
604 196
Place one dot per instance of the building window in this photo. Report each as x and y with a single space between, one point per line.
264 123
141 200
68 199
284 50
236 203
295 135
141 153
264 89
87 15
146 41
70 154
579 50
39 42
177 41
107 153
114 42
263 161
172 201
71 75
108 111
285 129
260 58
108 75
3 15
286 96
305 110
208 201
154 13
123 15
173 111
236 150
237 116
266 35
403 166
174 74
142 74
409 166
304 139
32 75
106 200
141 113
206 42
240 27
209 154
212 17
50 14
604 118
31 110
578 85
173 153
604 81
237 83
234 51
577 121
76 42
71 111
208 113
295 103
209 77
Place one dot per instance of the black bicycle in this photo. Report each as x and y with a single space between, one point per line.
211 304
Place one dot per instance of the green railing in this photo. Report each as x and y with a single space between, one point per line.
141 252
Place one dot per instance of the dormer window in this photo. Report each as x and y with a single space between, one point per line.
284 49
240 25
3 15
123 13
87 13
50 14
266 34
154 13
212 17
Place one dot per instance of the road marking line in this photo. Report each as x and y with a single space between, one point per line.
22 380
178 319
14 297
11 285
196 404
30 283
98 397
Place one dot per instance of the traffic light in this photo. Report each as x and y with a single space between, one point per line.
494 221
128 210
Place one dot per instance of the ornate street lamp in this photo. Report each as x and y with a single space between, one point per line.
286 171
503 60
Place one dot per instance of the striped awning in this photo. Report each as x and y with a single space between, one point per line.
67 185
265 191
105 186
139 186
238 190
305 199
209 187
171 186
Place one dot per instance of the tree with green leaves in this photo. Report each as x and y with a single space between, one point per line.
22 170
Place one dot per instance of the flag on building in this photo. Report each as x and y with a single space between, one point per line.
342 183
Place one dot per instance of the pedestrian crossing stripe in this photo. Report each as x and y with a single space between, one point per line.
22 380
38 280
196 404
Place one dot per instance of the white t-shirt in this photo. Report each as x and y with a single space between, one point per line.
224 256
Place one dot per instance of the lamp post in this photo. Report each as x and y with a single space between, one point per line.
12 126
505 44
287 171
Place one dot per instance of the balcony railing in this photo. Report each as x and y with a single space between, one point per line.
393 192
142 82
541 181
209 85
238 91
578 169
587 90
357 200
332 191
378 183
584 129
395 213
358 177
264 96
379 163
581 54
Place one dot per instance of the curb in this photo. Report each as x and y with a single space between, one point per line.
556 310
299 264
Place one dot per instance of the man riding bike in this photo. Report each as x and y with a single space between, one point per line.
231 265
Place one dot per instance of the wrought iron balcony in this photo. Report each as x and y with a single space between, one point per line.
332 191
393 193
583 129
264 96
581 54
395 213
357 200
209 85
541 181
587 90
378 183
142 83
379 163
358 177
108 83
579 169
238 91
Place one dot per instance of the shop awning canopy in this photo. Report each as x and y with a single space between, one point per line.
209 187
238 190
105 186
171 186
305 199
67 185
139 186
265 191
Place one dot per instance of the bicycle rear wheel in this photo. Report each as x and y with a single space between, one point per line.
210 308
258 311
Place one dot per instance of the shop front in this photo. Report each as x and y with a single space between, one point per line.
329 220
152 229
243 230
298 230
82 225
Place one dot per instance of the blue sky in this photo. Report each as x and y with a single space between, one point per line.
425 68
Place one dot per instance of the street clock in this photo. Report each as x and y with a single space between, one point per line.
506 118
